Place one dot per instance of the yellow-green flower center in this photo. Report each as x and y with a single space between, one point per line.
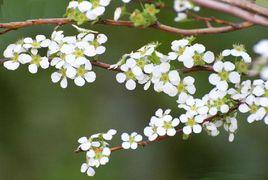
36 59
36 44
79 53
81 71
130 75
224 75
181 87
141 63
164 78
15 57
191 122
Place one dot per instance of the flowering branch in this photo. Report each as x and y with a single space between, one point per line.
161 138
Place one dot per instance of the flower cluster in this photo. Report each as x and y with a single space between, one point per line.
86 10
26 51
70 55
181 7
254 98
97 151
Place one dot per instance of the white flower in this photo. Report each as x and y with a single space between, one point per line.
131 141
161 124
162 79
117 13
84 74
109 135
16 56
230 126
98 156
85 168
36 62
178 47
225 73
212 128
261 48
237 51
196 56
192 123
40 41
85 143
130 73
194 106
185 86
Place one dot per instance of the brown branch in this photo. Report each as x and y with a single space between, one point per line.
107 66
233 10
248 6
161 138
185 32
210 19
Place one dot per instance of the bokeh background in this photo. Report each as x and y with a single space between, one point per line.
40 122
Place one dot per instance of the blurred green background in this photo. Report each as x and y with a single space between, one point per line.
40 122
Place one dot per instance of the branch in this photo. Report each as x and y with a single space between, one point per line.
248 6
185 32
161 138
107 66
233 10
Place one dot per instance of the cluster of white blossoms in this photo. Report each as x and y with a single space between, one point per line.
181 7
26 51
254 99
70 55
87 9
148 66
97 151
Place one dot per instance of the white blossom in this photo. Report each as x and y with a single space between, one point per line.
192 123
225 73
131 140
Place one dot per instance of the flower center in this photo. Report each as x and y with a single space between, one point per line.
164 78
130 75
181 87
140 63
63 72
15 57
79 53
253 108
198 59
167 125
81 71
36 59
224 75
191 122
36 44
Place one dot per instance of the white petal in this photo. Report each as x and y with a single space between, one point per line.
79 81
33 68
130 84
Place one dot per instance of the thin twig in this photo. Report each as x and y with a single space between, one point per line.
185 32
233 10
248 6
